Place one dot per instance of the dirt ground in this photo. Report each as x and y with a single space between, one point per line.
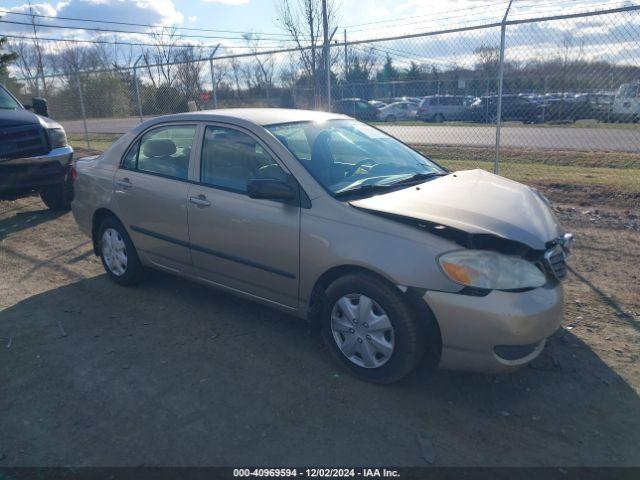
173 373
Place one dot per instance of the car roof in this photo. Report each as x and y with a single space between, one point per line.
259 116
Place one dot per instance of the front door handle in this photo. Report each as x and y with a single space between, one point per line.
124 183
200 201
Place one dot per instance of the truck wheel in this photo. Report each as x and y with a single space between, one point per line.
58 197
371 330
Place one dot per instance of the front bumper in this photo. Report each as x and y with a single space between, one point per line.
472 327
33 172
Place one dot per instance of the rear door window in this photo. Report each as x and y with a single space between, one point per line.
162 151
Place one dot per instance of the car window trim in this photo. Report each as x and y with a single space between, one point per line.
137 139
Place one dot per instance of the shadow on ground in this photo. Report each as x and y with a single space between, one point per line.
173 373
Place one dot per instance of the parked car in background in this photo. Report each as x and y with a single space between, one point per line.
626 105
441 108
398 111
602 105
415 100
377 103
34 154
514 108
393 258
356 108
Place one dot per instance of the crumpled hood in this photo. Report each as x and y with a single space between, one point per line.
477 202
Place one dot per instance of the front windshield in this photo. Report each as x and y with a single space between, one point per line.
346 155
7 102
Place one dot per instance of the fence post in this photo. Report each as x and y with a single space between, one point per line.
326 52
213 84
138 102
503 31
213 78
135 81
82 111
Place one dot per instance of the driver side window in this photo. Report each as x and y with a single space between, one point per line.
231 158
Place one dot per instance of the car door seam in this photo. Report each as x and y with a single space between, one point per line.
215 253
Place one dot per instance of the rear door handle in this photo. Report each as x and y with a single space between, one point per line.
124 183
200 201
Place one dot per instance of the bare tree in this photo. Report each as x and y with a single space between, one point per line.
488 60
159 60
302 20
189 73
236 71
27 64
259 74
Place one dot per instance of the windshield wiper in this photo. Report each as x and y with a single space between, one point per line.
418 177
363 189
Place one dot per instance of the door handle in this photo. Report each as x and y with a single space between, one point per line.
124 183
200 201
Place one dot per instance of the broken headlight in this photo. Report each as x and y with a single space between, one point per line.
490 270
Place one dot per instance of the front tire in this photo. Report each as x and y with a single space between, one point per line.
371 330
118 254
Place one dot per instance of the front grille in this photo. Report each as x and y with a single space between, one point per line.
22 141
555 262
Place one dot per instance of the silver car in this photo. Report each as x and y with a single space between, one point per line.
393 258
398 111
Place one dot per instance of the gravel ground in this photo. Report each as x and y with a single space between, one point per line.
173 373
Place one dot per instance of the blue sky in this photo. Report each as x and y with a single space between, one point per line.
362 18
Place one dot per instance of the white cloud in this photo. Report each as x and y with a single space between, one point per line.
228 2
157 12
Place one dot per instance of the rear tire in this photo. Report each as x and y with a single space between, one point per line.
118 254
371 330
58 197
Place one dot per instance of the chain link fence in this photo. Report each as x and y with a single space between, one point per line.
566 122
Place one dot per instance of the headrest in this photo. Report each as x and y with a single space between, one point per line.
158 147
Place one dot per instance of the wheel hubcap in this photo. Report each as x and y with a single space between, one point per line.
362 330
114 251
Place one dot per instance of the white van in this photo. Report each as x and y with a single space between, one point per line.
626 106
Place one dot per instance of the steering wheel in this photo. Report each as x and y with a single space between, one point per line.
361 163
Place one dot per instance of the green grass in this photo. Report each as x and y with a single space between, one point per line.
582 178
98 141
578 124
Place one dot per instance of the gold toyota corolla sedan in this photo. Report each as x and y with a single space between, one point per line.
392 257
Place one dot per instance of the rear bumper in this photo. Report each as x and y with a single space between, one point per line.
473 329
19 174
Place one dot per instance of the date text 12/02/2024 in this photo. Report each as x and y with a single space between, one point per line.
316 472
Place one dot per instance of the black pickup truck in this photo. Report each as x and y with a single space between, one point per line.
34 154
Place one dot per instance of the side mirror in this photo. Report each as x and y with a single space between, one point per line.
39 106
270 189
